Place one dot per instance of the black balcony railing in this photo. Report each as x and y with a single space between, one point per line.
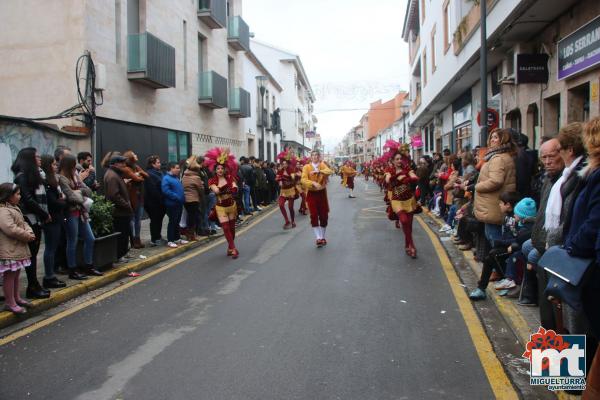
213 13
150 60
212 91
239 103
238 34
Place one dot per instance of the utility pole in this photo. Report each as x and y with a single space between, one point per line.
483 74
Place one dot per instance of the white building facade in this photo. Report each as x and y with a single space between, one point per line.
262 128
297 99
444 44
169 72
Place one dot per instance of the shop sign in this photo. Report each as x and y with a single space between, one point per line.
493 119
580 50
416 141
532 68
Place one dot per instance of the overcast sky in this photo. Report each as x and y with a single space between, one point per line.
351 50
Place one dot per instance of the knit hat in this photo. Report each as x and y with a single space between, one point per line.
525 208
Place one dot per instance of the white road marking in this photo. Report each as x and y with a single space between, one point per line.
273 246
234 281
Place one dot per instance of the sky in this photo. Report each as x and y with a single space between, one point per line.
352 51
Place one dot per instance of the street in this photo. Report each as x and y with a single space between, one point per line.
357 319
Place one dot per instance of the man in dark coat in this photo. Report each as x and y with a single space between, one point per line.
116 192
525 162
553 165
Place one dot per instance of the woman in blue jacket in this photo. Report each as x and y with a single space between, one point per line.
174 198
584 227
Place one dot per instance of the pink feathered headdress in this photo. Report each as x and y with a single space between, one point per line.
288 156
394 148
221 156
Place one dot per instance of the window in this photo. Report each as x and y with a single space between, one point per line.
178 146
578 99
424 67
433 67
551 115
510 64
445 12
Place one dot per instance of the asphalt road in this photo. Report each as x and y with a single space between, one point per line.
355 320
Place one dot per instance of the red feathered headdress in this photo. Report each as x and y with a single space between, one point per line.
288 156
304 160
394 148
221 156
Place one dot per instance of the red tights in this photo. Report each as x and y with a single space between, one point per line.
406 220
282 200
303 203
229 233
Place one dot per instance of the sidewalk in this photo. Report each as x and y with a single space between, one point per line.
140 259
523 321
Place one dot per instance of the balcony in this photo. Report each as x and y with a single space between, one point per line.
238 34
468 25
416 103
213 13
239 103
212 91
150 61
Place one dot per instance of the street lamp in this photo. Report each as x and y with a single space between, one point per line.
261 80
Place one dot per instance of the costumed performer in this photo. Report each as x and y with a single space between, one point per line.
348 174
314 177
398 179
287 178
224 186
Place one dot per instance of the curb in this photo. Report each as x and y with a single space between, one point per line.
508 309
61 296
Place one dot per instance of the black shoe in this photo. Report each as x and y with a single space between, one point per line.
61 271
527 302
204 232
213 231
37 293
90 270
53 283
77 276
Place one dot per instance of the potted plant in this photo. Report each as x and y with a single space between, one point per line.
101 221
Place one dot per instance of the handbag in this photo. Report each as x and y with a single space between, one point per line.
565 275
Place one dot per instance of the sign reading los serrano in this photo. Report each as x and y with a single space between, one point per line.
580 50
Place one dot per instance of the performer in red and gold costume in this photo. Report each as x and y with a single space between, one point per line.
314 178
348 174
366 170
224 185
398 179
301 189
287 177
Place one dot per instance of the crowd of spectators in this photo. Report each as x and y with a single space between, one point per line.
56 196
509 205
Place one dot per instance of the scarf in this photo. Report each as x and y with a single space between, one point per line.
555 201
504 148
